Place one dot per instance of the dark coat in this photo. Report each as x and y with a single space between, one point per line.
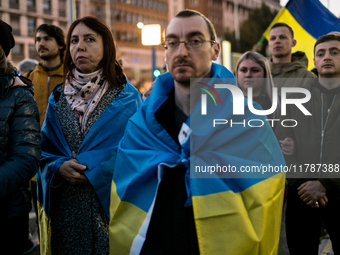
315 146
20 148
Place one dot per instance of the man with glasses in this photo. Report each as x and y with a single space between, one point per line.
154 202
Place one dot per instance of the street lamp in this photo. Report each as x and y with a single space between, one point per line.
151 36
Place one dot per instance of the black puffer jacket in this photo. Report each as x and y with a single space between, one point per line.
20 148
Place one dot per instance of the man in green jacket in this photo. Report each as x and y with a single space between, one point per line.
314 197
285 66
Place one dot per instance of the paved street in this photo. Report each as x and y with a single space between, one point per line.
324 249
34 234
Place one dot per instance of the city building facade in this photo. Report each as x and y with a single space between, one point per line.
122 17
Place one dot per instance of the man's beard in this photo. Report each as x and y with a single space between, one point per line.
281 55
183 81
49 56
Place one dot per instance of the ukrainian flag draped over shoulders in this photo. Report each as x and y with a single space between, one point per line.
97 152
309 19
232 216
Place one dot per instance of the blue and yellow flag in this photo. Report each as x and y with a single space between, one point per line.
309 19
97 151
232 215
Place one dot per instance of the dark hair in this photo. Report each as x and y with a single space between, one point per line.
333 36
281 24
55 32
112 70
7 72
190 13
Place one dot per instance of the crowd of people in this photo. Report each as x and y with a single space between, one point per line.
111 174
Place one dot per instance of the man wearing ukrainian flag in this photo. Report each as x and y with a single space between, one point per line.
159 205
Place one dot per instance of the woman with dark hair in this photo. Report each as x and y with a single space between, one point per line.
86 119
20 149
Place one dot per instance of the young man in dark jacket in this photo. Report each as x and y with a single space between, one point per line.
20 149
314 197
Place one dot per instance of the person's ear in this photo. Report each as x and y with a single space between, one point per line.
216 51
294 43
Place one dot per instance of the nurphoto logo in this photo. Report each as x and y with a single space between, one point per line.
238 103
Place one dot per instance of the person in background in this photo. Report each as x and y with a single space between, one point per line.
27 65
253 70
50 46
288 69
315 199
86 119
20 150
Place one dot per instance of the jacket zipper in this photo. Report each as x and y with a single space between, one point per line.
323 126
48 86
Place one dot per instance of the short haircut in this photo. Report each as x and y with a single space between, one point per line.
281 24
55 32
190 13
333 36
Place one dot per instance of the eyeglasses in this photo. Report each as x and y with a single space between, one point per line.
194 43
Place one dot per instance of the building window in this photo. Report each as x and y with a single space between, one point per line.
123 37
15 23
117 15
32 52
150 4
62 8
47 6
155 5
123 17
77 9
193 2
140 3
14 4
30 5
134 2
31 25
134 19
63 26
18 52
48 21
129 37
135 38
145 3
128 18
117 36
